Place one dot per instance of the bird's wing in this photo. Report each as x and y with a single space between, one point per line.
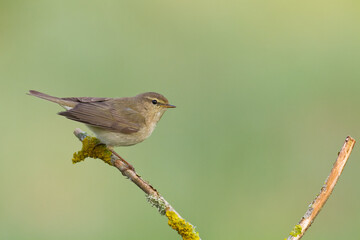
114 117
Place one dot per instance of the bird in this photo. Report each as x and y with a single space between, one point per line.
116 122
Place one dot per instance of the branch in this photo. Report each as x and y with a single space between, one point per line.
325 192
94 149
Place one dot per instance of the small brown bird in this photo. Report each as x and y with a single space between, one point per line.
115 121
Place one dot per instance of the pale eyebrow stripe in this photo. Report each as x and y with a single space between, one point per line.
154 98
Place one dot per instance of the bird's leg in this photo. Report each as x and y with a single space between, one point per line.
123 160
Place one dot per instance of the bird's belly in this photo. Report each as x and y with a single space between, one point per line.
119 139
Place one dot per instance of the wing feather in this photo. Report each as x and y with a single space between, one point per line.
105 114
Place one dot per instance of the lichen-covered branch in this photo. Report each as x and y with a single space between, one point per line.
92 148
315 207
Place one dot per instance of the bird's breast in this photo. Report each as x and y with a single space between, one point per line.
121 139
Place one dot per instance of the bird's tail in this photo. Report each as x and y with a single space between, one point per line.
62 102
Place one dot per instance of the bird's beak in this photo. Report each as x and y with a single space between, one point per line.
168 106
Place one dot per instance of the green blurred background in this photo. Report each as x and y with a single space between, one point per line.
266 92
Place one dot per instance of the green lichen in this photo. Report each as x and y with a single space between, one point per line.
94 149
157 202
296 231
185 229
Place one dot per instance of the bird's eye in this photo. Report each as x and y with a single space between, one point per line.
154 102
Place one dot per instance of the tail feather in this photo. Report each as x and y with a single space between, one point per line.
62 102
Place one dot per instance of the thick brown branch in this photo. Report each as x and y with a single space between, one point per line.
325 192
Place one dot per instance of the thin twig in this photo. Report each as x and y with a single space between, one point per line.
185 229
325 192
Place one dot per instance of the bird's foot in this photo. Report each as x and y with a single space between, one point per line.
99 144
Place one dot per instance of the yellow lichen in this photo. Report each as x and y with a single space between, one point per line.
92 148
296 231
185 229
